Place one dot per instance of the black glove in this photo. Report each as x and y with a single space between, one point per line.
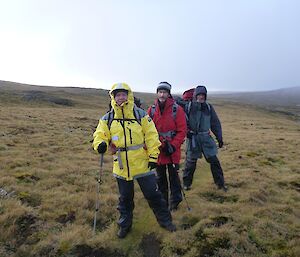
189 135
168 148
152 165
220 142
102 147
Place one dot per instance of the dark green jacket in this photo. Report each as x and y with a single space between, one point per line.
202 119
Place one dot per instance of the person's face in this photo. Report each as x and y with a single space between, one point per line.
121 97
162 95
200 98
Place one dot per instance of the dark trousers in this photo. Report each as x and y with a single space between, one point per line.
174 182
215 167
151 193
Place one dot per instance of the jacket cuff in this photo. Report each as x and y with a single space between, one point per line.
219 139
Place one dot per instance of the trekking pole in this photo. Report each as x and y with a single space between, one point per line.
183 193
99 182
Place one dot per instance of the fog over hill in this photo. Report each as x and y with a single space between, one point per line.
284 96
281 97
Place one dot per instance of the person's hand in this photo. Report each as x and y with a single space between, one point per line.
169 149
102 147
152 165
112 148
220 142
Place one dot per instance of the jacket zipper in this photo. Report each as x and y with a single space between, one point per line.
125 139
130 135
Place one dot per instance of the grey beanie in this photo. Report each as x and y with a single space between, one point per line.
164 86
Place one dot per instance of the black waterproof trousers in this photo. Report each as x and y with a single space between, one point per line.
151 193
174 182
215 167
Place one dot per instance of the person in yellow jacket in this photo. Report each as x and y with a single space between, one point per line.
133 139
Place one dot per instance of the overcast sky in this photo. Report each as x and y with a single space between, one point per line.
228 45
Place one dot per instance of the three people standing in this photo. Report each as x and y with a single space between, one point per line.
140 144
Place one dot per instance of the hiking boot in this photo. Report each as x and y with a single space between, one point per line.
187 188
223 187
170 227
122 233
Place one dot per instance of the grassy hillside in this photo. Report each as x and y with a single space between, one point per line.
48 186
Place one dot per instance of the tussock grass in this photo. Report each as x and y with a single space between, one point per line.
47 160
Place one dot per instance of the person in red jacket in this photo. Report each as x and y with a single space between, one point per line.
170 122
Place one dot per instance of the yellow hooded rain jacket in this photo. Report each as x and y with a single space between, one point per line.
136 140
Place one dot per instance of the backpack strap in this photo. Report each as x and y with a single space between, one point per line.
208 106
153 107
187 108
137 114
174 110
111 115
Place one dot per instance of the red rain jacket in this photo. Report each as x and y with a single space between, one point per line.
165 122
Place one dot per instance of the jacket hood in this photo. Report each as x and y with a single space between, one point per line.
130 100
188 94
200 90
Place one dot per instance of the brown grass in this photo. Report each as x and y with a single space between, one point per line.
47 160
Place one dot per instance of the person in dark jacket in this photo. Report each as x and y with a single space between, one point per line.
202 120
170 122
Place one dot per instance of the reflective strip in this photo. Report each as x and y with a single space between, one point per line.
120 160
151 172
132 147
123 149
